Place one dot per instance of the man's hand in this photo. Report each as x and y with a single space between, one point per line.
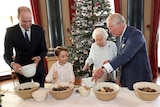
106 61
17 67
97 74
118 78
36 59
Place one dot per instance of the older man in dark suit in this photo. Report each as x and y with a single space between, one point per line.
28 41
132 58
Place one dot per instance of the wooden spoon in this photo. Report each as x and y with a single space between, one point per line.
58 83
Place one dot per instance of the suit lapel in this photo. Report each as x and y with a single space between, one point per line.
121 45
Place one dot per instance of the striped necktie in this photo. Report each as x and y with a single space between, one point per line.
26 37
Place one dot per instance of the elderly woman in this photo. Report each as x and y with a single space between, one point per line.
101 51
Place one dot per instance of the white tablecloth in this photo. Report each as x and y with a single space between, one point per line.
125 98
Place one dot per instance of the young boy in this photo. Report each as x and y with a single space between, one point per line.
61 70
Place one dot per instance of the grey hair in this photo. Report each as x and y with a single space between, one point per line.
100 32
116 18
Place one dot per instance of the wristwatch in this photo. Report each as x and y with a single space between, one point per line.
104 69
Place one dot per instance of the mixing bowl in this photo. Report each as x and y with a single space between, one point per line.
84 91
29 70
58 94
40 95
143 90
103 94
25 90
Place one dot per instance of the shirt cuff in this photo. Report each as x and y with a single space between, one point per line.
108 67
39 58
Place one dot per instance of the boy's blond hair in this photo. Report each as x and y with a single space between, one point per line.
58 49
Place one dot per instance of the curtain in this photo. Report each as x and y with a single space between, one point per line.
117 6
154 36
71 3
36 18
35 11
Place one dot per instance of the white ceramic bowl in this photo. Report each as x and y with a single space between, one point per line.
29 70
84 91
61 94
40 95
106 96
87 82
25 90
147 96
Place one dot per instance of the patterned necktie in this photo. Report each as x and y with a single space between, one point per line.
26 37
118 45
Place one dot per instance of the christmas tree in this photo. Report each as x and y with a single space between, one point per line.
88 15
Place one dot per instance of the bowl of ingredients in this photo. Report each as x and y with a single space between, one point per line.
87 82
40 95
29 70
106 90
25 90
84 91
147 91
61 91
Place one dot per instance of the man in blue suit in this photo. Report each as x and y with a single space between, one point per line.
132 57
26 52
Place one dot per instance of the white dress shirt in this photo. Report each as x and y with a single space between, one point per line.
65 72
28 32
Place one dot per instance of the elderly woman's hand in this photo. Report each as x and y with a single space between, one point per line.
86 66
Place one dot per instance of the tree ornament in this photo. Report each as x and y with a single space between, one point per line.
88 15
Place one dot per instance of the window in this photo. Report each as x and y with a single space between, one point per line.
8 17
112 6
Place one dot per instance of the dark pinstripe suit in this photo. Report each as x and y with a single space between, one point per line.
14 39
133 58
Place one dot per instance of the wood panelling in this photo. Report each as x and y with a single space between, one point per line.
44 20
66 20
147 17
